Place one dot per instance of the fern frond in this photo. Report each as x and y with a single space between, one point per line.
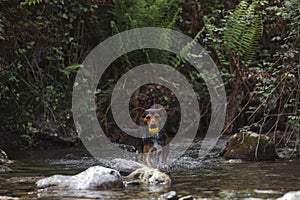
251 43
186 50
235 25
243 31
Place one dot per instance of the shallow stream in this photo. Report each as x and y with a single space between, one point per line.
214 178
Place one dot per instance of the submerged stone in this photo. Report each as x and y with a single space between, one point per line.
250 146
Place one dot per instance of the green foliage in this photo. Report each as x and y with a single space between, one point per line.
42 46
242 29
262 75
70 69
290 13
186 50
284 70
43 43
294 120
30 135
129 14
30 2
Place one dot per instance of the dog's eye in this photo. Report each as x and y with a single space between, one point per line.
148 118
157 116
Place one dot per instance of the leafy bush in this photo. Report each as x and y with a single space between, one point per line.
258 50
129 14
256 44
42 42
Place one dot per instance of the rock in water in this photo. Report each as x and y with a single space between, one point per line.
3 158
167 196
8 198
150 176
4 161
250 146
294 195
4 169
3 155
125 166
92 178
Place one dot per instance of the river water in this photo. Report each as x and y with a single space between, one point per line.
213 178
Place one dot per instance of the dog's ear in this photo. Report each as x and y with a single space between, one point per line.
145 113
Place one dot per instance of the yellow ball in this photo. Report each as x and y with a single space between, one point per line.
153 130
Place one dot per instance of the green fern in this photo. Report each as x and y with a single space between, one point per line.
251 39
129 14
243 30
235 25
30 2
185 51
241 33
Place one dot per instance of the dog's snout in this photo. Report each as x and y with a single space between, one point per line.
153 125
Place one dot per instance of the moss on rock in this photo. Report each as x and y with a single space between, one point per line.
250 146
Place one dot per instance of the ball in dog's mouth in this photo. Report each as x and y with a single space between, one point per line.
153 130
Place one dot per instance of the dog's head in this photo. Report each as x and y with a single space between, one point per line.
152 120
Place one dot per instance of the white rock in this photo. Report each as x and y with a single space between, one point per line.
91 178
293 195
169 195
